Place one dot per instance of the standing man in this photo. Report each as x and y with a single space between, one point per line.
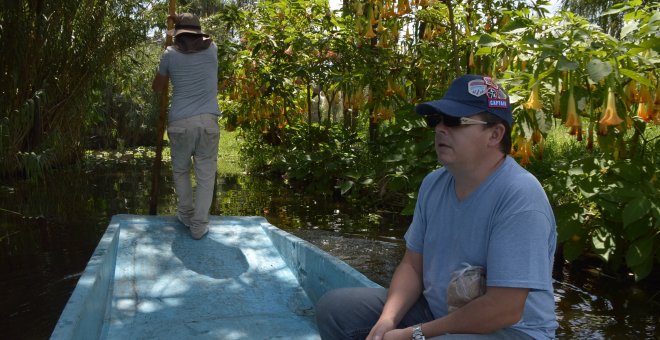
192 66
481 208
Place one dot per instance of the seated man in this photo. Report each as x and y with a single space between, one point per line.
480 208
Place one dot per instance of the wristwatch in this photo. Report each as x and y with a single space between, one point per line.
417 332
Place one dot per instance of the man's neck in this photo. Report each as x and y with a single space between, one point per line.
468 179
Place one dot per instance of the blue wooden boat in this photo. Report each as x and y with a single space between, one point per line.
246 279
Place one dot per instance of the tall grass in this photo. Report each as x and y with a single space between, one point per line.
229 160
559 149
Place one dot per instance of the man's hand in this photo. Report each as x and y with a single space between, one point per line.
380 329
384 330
399 334
174 17
160 82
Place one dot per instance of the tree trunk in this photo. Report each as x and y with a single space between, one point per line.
454 43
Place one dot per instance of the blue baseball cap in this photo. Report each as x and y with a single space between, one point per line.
469 95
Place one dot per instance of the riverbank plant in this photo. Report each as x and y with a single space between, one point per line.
294 87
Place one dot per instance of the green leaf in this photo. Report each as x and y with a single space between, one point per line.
628 27
393 158
621 193
488 40
638 229
576 171
650 43
617 8
628 171
636 76
352 175
635 210
588 188
568 218
564 64
639 251
568 221
346 186
367 181
602 246
598 69
484 51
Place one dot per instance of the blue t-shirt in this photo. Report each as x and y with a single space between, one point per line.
194 79
506 225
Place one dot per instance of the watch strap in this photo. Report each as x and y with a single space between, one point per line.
417 332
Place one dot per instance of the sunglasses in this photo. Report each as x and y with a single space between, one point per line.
449 121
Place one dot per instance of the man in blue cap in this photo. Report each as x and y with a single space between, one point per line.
481 208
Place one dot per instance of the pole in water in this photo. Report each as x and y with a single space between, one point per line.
160 130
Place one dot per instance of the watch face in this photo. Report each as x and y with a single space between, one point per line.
417 333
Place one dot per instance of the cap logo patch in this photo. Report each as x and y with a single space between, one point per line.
477 87
496 97
501 103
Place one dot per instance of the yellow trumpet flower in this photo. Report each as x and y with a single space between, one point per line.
572 118
370 32
557 105
537 136
533 102
644 95
380 27
643 112
289 51
359 9
524 151
610 117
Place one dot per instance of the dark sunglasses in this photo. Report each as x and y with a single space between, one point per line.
449 121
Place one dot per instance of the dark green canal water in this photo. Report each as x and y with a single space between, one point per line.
49 229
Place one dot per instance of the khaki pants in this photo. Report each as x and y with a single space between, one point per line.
194 141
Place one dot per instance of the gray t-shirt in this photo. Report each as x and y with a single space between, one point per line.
506 225
194 79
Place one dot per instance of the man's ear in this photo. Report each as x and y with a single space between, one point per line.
496 134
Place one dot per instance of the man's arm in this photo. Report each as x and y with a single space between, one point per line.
499 308
160 82
405 288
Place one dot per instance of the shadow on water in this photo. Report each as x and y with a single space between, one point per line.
49 230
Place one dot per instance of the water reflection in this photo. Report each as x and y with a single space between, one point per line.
49 230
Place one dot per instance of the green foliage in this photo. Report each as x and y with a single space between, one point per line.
123 108
405 159
365 58
615 215
316 157
604 207
55 50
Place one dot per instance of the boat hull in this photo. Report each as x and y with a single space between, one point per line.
246 279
